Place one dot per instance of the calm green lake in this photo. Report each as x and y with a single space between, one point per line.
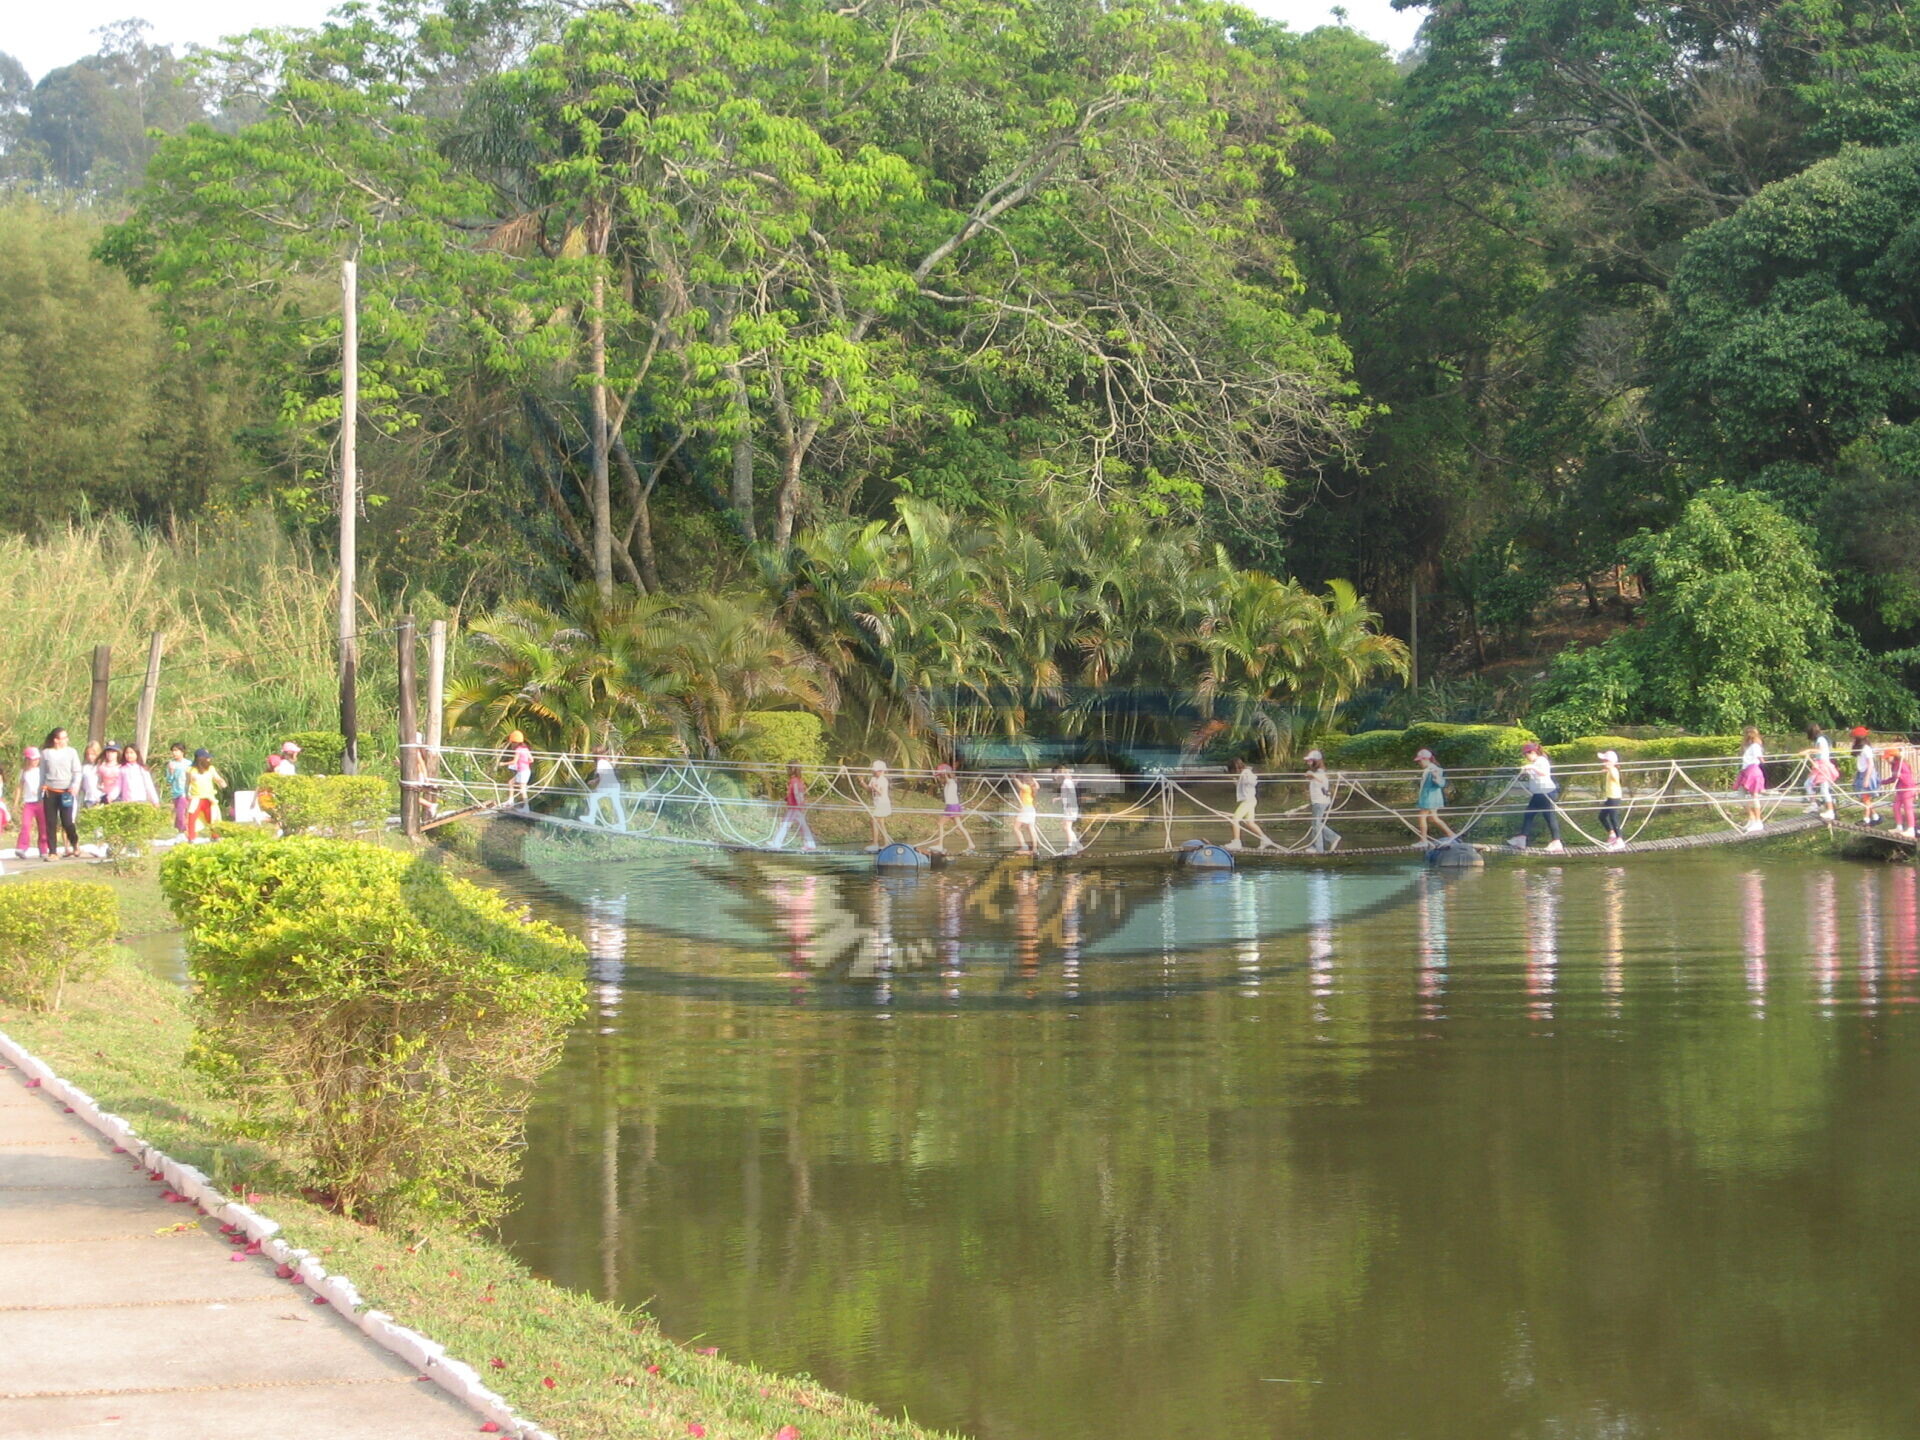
1596 1151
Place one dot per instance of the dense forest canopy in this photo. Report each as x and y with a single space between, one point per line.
656 300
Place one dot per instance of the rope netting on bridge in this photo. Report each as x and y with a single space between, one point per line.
741 805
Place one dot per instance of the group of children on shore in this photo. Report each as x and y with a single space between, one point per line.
58 783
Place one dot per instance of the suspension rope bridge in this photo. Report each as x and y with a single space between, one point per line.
739 806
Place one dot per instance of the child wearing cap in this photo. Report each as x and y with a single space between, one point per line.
952 813
1321 837
203 792
1433 795
1611 794
1821 772
1866 775
520 761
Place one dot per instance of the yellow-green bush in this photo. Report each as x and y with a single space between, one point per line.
329 804
382 1020
52 931
125 829
1457 747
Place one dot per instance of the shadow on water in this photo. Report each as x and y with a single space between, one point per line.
1604 1150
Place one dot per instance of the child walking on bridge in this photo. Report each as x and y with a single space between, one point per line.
1246 793
1906 784
1866 775
794 815
1612 792
953 815
1821 772
1536 778
1433 795
1753 778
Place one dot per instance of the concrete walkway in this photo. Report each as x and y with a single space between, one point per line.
114 1323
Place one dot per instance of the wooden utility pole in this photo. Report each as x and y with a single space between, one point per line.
409 735
97 706
1413 628
349 517
436 685
149 694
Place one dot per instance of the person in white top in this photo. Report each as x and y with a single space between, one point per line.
879 804
1246 793
1866 775
1821 772
953 815
1753 778
605 794
1536 778
1321 837
1069 787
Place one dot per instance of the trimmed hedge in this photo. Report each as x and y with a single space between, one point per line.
382 1021
330 804
780 737
52 931
1586 749
125 828
1457 747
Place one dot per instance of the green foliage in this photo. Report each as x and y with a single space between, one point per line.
781 737
321 750
330 804
51 932
249 832
126 829
378 1018
1738 631
1369 750
1585 749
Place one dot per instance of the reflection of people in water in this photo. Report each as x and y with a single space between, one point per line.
1026 920
1753 916
1543 940
1432 915
794 898
952 813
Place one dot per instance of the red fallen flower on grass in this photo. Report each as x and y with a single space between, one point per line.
787 1432
653 1369
696 1429
709 1349
547 1380
497 1363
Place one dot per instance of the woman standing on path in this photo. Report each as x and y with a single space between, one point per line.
1536 778
1433 795
1321 838
1866 775
1753 778
879 805
136 781
60 791
1246 800
33 815
794 815
203 793
953 815
177 784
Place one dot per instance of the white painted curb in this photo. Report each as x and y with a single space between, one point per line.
427 1356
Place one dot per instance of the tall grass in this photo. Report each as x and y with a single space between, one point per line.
249 617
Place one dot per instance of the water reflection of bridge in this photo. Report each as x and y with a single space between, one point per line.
1020 936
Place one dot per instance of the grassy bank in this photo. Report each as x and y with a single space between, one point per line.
581 1367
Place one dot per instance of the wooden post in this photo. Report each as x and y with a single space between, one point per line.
97 704
349 518
149 694
436 684
409 735
1413 629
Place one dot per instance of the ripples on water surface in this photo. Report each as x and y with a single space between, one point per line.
1595 1151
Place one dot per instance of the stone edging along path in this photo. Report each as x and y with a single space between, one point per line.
427 1356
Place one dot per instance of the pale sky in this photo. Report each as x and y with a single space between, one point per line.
45 36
